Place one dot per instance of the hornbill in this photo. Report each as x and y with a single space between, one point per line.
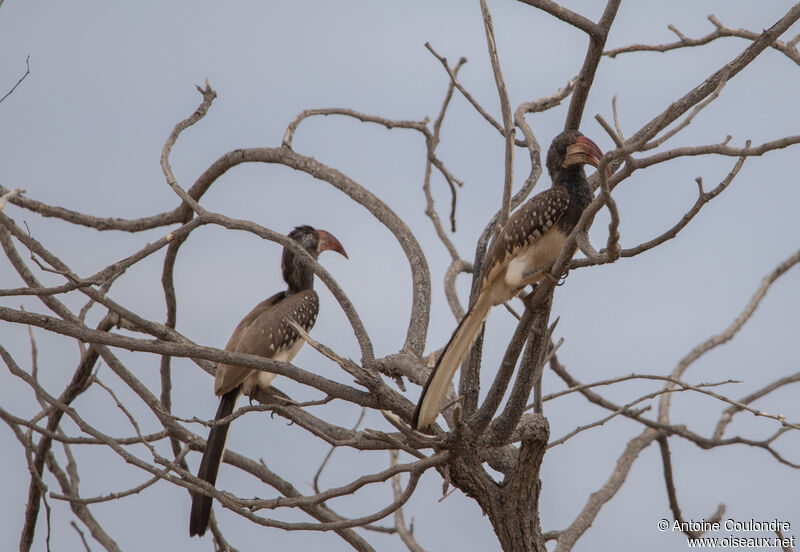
266 332
526 245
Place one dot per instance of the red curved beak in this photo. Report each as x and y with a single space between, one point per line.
584 151
327 242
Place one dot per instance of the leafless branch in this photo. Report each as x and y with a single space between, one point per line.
570 535
455 268
672 429
702 199
727 416
565 15
597 41
728 333
433 142
288 136
709 85
692 114
789 49
22 78
666 459
505 108
628 408
9 195
208 96
330 453
406 532
491 120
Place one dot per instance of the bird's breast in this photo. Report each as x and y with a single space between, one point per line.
537 256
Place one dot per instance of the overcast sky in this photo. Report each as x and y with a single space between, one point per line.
109 81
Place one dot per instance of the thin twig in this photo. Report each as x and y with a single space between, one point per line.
789 49
505 108
433 142
672 494
315 481
406 533
728 334
208 96
22 78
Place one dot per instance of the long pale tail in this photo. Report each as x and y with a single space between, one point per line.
209 465
432 398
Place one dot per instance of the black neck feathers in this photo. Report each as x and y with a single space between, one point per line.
296 272
580 195
571 177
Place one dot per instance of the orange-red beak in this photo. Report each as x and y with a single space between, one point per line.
584 151
327 242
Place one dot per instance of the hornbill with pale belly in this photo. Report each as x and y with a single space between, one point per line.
266 332
521 252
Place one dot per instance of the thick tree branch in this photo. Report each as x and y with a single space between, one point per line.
594 54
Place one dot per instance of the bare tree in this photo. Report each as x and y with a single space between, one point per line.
491 446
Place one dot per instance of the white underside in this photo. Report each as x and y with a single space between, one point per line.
518 273
262 380
521 270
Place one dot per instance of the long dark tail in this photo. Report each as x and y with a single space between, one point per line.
209 465
432 398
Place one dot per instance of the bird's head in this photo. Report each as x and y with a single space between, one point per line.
571 149
298 274
315 241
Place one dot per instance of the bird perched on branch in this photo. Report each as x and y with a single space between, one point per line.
266 332
520 254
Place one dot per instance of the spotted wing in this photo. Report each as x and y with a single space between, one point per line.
525 226
266 332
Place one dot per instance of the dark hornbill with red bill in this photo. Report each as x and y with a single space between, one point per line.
267 332
519 256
